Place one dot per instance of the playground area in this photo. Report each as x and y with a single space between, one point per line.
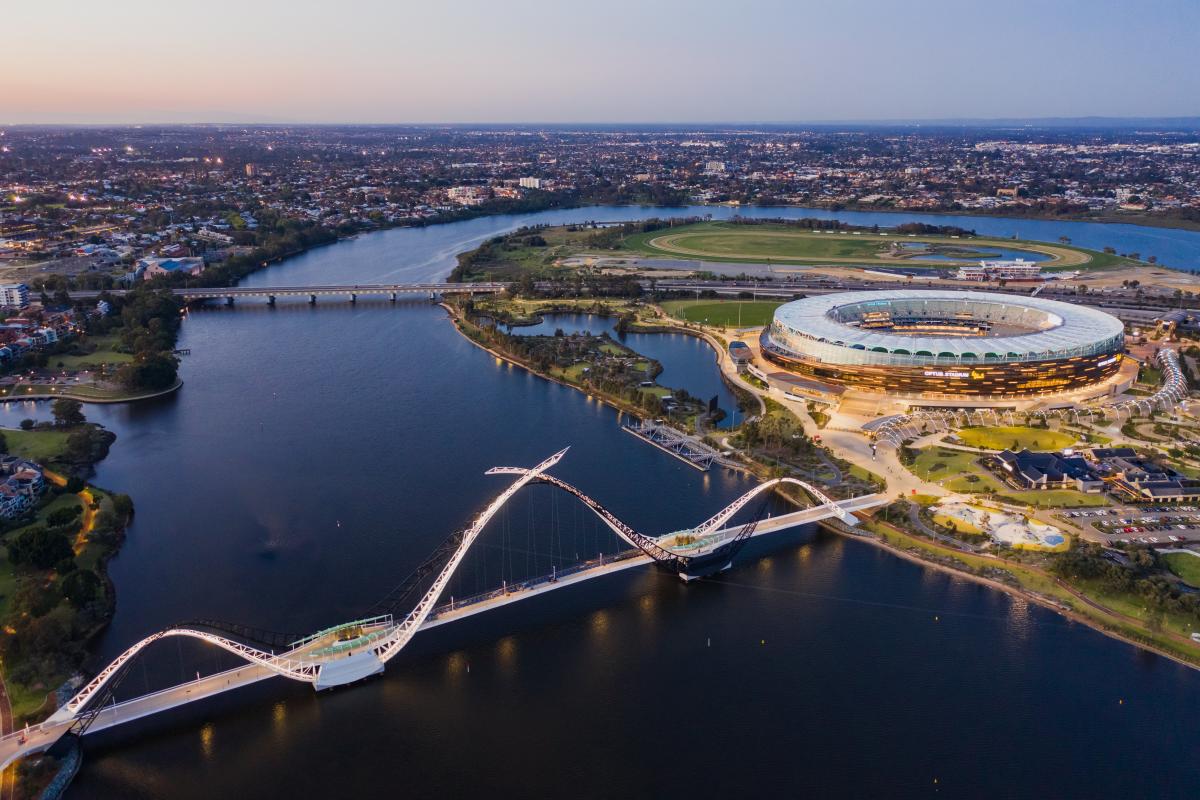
1014 530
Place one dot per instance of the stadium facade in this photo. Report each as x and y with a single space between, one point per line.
945 343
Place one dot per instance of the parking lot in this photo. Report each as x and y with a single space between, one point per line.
1153 525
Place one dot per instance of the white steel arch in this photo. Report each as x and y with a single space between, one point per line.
722 516
402 633
288 664
284 664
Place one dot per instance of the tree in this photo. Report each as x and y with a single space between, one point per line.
3 444
150 370
68 413
80 587
40 548
79 445
122 505
27 424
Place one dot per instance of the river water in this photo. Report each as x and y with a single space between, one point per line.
315 455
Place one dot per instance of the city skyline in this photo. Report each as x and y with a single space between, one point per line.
537 63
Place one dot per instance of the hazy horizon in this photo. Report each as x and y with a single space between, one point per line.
532 62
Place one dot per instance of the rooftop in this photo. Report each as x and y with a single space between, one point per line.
1047 326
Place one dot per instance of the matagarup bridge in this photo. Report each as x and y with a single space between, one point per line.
354 650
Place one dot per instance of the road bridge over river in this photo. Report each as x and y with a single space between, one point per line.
360 648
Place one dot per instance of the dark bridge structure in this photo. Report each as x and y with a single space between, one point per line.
390 291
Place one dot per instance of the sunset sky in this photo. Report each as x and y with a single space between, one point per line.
611 61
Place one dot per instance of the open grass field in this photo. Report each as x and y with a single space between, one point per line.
39 446
716 241
1185 566
104 353
1057 498
954 470
730 313
1004 437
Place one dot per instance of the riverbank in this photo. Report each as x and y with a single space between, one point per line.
82 394
55 592
1034 585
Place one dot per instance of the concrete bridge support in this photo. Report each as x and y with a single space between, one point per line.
312 299
229 300
270 299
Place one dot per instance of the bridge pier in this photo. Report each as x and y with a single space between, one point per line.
270 299
312 299
353 299
229 300
393 297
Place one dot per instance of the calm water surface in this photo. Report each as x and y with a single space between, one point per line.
315 455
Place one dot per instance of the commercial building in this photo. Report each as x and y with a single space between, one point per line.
945 344
1143 479
530 183
1015 270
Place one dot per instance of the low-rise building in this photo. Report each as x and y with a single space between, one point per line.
1015 270
150 267
1144 479
1033 470
21 483
14 295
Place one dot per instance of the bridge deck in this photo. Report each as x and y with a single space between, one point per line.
39 737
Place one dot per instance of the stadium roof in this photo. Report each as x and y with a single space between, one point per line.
1064 327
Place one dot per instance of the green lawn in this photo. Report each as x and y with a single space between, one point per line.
1015 437
1056 498
573 372
962 526
104 353
718 241
40 446
955 470
748 313
1185 566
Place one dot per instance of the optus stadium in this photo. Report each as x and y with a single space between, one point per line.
945 343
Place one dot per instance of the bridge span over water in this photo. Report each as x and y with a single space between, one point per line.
391 291
357 649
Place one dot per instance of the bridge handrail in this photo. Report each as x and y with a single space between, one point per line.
381 619
724 514
530 583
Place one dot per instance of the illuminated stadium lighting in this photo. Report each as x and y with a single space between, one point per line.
945 343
